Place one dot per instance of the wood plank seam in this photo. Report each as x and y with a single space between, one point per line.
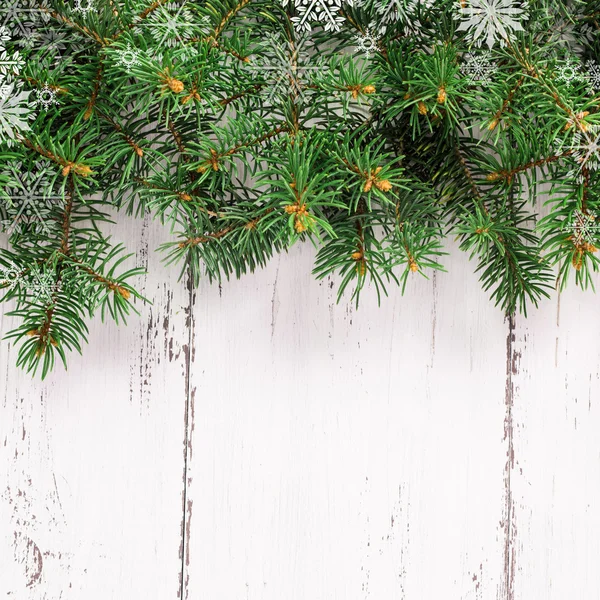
509 529
186 504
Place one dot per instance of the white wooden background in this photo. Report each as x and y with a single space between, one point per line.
260 442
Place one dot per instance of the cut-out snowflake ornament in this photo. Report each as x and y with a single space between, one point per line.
583 227
585 148
570 26
4 35
325 13
569 71
367 42
84 6
479 67
46 96
285 67
400 11
29 197
10 64
25 22
581 147
53 42
16 110
42 285
10 277
491 21
173 25
593 74
128 57
22 19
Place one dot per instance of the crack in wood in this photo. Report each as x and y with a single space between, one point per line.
508 580
186 504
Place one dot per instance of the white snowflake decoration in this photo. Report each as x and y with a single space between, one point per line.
491 21
404 11
324 12
30 197
583 227
568 31
10 277
24 20
167 28
15 106
46 96
10 65
84 6
593 74
42 285
285 66
4 35
15 112
54 42
569 71
479 67
585 148
128 57
173 25
367 42
22 17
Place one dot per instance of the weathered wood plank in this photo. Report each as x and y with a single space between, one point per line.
555 478
410 451
91 461
336 453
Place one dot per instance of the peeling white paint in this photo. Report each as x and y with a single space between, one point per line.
268 444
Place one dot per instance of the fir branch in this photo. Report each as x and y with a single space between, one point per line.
67 165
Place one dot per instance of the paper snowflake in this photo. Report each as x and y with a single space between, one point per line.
479 67
585 148
491 21
569 71
593 74
25 22
285 67
4 35
325 13
84 6
173 26
583 227
10 277
42 285
400 11
128 57
15 111
22 18
46 96
29 197
367 42
10 64
170 25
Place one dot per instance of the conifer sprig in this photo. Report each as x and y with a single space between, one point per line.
372 128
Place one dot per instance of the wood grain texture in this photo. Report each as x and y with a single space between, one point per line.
258 441
555 481
91 462
344 454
